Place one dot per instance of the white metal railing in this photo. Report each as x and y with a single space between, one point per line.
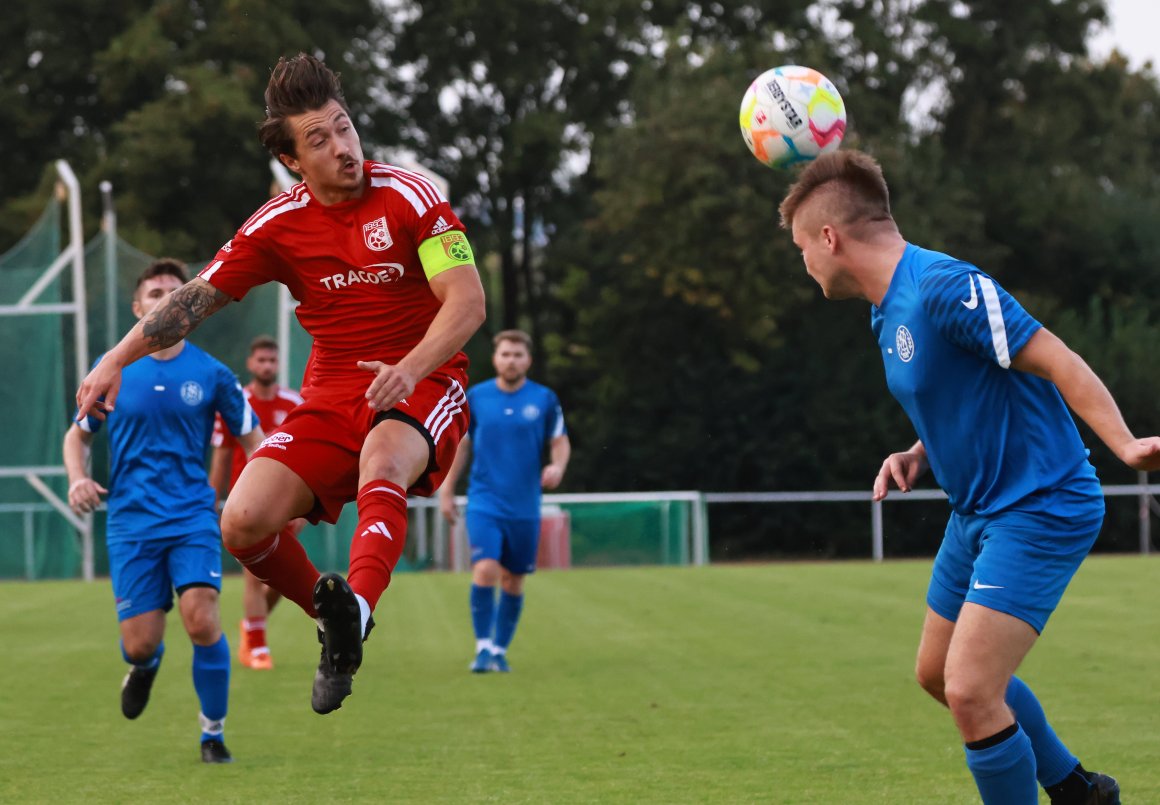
433 538
1144 491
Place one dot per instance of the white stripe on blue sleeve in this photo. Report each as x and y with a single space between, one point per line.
995 318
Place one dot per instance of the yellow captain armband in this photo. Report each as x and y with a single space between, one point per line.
445 251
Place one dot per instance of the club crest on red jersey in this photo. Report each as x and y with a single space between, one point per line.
377 236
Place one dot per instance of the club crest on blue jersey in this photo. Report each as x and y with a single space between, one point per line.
905 343
530 412
191 392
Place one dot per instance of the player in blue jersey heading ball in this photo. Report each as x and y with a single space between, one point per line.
514 422
987 388
162 528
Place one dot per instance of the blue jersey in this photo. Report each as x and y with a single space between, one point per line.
158 436
996 439
509 431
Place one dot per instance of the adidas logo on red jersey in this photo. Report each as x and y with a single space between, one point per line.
440 227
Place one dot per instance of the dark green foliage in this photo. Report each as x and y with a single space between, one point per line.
163 99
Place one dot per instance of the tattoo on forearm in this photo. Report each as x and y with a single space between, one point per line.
182 312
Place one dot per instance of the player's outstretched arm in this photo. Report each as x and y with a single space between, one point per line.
900 471
1046 356
172 320
462 309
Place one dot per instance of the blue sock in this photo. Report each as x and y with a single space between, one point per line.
1005 772
1053 760
507 615
150 663
482 611
211 680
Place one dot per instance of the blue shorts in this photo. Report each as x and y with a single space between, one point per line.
146 572
513 543
1013 562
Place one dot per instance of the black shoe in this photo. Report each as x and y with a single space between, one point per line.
214 751
341 637
135 690
1083 787
1104 791
330 687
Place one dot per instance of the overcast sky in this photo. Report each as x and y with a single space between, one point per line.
1134 31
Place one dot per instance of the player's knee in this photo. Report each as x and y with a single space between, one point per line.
967 699
512 584
389 466
203 626
241 528
140 648
485 573
930 678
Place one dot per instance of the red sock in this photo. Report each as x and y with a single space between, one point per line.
281 562
378 541
256 632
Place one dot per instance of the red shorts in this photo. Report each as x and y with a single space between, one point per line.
322 438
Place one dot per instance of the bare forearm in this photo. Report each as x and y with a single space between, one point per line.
76 455
219 470
456 322
561 452
458 466
174 319
462 309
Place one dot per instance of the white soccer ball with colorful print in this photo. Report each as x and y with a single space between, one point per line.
792 114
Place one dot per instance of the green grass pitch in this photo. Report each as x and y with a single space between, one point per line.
784 683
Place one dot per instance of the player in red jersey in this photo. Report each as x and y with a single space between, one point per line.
388 288
271 404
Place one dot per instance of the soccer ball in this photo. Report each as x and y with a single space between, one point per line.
792 114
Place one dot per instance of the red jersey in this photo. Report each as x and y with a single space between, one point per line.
353 266
271 414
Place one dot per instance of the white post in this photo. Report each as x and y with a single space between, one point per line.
109 225
284 181
76 237
77 244
700 531
876 529
29 547
285 305
1145 515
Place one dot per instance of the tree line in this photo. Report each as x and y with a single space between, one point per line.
593 151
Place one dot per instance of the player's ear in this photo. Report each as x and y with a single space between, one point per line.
290 162
830 238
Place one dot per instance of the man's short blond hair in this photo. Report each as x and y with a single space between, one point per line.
515 336
852 184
